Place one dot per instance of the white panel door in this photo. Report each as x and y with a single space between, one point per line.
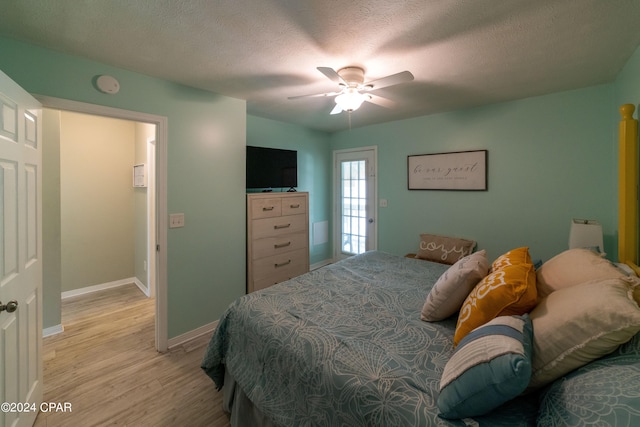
20 255
355 198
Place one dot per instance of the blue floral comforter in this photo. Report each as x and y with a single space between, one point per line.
344 346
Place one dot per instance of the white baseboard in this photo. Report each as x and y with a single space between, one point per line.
142 286
191 335
96 288
317 265
52 330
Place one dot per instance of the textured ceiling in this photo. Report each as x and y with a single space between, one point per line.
462 53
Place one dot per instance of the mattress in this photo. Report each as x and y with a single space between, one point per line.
344 345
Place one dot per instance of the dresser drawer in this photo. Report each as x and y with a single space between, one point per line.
278 268
275 227
276 245
294 205
266 208
265 282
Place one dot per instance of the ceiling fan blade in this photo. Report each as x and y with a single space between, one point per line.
393 79
332 75
336 110
315 95
378 100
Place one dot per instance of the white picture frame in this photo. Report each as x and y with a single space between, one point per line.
461 170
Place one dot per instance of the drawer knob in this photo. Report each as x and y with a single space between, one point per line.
267 208
281 245
282 264
277 227
295 206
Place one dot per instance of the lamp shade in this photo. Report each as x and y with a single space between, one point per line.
350 100
586 233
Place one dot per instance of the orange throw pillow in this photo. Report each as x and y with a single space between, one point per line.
513 257
505 292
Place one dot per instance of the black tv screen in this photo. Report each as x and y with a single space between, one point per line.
271 168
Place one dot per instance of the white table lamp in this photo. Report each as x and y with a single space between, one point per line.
586 233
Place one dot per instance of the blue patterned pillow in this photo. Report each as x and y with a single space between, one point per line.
490 366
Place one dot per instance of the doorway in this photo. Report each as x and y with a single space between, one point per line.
156 248
104 190
355 198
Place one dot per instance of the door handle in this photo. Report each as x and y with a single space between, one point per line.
370 220
10 307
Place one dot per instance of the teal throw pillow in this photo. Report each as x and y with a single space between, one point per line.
489 367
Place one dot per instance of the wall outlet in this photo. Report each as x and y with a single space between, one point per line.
176 220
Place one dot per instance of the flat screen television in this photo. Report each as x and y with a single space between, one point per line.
269 168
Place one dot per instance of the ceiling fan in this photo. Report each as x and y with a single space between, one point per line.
353 89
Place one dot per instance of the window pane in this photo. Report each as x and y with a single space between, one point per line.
353 207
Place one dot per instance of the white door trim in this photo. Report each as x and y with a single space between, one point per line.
336 192
161 122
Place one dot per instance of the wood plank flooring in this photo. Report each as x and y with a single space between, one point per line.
106 366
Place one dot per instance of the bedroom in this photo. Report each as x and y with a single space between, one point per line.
560 147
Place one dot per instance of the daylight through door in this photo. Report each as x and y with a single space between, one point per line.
355 190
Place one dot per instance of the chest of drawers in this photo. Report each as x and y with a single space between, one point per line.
277 238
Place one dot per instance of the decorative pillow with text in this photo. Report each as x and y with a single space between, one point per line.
511 290
443 249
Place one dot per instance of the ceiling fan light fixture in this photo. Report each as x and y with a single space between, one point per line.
350 100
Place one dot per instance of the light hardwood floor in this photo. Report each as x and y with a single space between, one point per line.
105 365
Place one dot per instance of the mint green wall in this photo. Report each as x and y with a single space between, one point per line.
628 84
551 158
628 88
314 168
206 154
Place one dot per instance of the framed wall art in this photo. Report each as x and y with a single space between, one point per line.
461 170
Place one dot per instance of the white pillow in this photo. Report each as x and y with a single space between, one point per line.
451 289
573 326
573 267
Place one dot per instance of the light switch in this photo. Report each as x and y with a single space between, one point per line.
176 220
383 203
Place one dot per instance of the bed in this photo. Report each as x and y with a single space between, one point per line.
351 344
328 347
345 345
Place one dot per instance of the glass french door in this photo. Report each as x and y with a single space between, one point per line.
355 190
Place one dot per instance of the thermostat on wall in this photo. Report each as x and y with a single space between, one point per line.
139 176
108 84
